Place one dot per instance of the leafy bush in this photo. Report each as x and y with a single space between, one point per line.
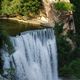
64 47
73 69
68 61
6 40
31 7
5 7
24 7
75 66
64 6
10 7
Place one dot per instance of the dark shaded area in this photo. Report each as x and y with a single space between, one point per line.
1 61
68 61
4 39
76 15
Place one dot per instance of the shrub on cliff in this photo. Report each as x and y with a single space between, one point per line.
23 7
64 6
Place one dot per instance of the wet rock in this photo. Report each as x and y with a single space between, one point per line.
2 78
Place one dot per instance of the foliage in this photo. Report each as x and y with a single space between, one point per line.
63 46
31 7
6 41
64 6
68 61
0 6
15 6
5 7
24 7
10 6
75 66
73 69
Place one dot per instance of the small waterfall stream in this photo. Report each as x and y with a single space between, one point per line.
35 57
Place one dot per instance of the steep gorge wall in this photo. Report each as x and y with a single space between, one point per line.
65 17
50 10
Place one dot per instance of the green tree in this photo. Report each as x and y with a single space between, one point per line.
15 6
24 7
5 6
31 6
64 6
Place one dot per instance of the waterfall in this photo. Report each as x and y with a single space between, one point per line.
35 56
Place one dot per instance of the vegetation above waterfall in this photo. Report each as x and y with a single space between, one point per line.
20 7
64 6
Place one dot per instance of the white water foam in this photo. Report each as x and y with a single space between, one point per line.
35 57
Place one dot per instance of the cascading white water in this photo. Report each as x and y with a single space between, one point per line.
35 57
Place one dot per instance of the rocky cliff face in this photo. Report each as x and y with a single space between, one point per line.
65 17
48 5
50 10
